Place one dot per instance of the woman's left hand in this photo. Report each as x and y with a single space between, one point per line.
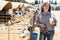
53 23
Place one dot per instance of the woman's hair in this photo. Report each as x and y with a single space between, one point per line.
42 10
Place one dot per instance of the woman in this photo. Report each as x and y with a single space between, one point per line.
46 21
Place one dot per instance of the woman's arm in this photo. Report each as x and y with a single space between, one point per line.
54 22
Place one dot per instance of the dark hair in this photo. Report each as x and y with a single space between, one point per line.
42 10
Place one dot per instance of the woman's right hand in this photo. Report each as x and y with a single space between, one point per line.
42 25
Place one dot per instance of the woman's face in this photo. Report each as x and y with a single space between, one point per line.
46 8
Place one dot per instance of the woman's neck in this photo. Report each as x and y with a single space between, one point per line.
45 12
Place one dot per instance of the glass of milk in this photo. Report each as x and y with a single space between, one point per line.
51 20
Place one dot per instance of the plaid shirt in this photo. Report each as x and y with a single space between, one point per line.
44 18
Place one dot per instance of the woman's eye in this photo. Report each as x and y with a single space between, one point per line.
46 6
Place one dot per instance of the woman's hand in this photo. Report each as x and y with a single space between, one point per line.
53 23
42 25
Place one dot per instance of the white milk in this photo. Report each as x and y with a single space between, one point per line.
51 20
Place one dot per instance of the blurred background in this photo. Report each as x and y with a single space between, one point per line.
54 3
16 16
